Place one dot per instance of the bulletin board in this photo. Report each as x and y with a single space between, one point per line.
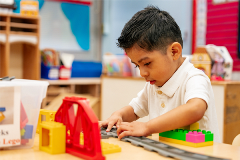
65 26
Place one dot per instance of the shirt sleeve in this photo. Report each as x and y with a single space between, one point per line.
140 103
198 87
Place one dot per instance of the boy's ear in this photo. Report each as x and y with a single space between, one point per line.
176 49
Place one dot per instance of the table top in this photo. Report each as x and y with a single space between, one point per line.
70 81
142 79
129 151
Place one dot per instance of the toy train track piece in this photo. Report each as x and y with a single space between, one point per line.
159 147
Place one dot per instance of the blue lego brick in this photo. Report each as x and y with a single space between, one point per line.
28 132
2 109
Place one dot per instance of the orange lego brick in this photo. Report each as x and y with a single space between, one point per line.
2 117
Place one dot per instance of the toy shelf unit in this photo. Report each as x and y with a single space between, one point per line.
19 46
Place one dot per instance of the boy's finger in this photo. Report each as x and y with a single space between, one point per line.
118 123
110 125
103 124
123 134
124 123
122 128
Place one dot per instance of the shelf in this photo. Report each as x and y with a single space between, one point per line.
3 23
3 38
2 31
19 16
74 81
22 38
23 33
25 20
23 25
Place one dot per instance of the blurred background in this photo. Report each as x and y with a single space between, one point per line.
72 45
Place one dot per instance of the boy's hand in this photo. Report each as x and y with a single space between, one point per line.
115 119
132 129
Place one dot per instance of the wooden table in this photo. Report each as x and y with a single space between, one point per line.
128 152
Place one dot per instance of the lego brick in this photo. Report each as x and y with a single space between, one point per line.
196 145
195 137
24 141
178 134
52 137
108 148
194 126
50 116
81 139
22 132
23 117
208 135
28 132
2 109
2 117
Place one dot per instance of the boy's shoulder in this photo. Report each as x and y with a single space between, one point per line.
192 72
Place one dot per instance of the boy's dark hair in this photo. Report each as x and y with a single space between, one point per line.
151 29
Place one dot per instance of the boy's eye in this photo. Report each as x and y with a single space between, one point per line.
136 66
146 64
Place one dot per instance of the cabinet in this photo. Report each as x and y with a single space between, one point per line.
227 98
117 92
19 46
90 86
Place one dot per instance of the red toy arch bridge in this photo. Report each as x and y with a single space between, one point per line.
83 122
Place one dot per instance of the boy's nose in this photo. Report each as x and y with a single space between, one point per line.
144 73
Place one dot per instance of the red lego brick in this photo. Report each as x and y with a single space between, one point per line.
23 117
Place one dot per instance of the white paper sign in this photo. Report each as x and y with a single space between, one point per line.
10 124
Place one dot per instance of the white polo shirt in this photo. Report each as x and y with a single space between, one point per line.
186 83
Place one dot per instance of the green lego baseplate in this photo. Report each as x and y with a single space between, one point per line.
180 134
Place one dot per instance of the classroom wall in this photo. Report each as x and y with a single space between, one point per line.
77 37
222 29
117 12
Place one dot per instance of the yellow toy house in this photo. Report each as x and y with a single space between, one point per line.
202 60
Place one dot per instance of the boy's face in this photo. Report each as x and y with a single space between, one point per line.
156 67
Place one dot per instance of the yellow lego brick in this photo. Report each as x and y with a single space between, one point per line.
194 126
108 148
81 139
2 117
202 144
22 132
52 137
48 115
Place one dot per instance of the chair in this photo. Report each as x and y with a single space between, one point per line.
236 141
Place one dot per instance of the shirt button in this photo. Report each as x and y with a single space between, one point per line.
159 92
163 105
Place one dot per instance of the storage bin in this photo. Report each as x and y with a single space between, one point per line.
65 73
21 100
86 69
49 72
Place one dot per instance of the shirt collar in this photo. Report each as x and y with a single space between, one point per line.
170 87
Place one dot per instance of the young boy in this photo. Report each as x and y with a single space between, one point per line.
176 93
